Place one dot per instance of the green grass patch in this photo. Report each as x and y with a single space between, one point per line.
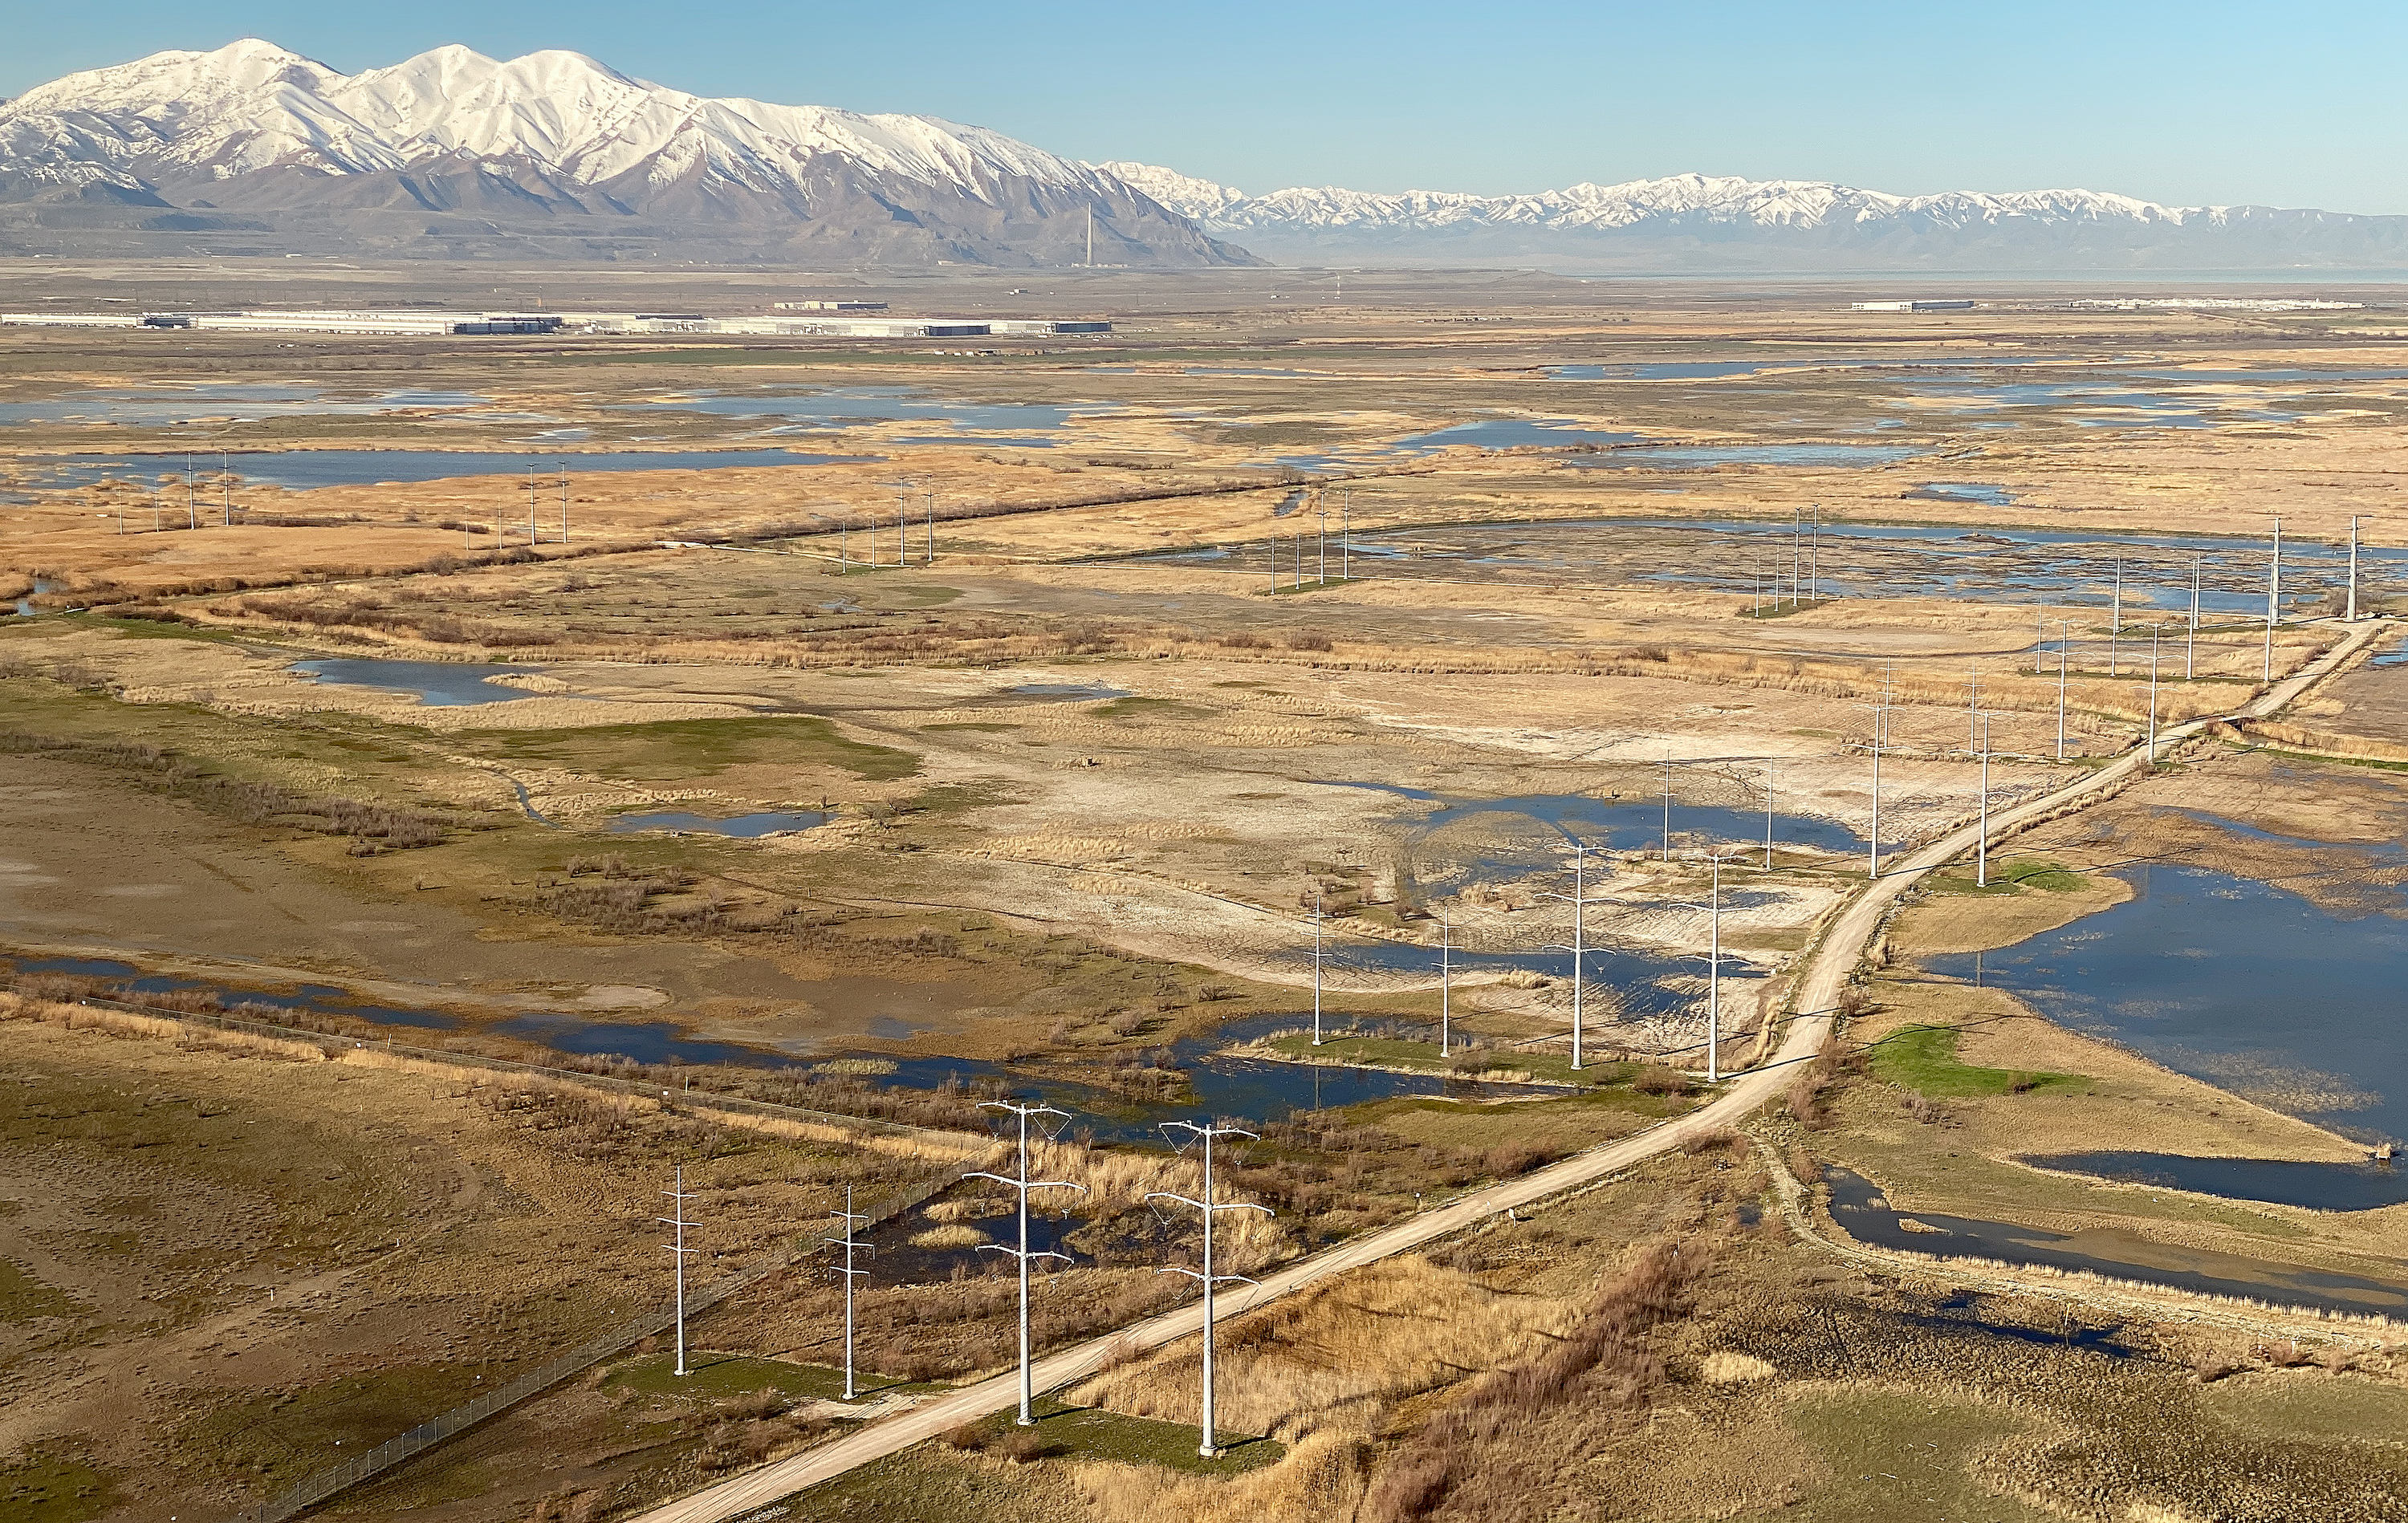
1924 1059
1401 1052
24 1298
2037 872
1070 1432
716 1377
1139 708
47 1487
669 750
276 1439
2311 1405
1785 608
1321 585
155 628
1900 1457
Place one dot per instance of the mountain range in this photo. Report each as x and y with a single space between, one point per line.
551 154
254 148
1702 221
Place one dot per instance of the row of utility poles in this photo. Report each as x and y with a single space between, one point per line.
1203 1138
1200 1138
1320 537
1578 947
908 496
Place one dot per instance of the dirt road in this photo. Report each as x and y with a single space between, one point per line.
1830 964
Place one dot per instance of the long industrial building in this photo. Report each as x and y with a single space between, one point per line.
267 319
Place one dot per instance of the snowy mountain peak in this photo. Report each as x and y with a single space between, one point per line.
252 105
252 130
1725 200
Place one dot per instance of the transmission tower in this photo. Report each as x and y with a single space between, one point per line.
851 1244
1580 902
1023 1184
677 1252
1210 1208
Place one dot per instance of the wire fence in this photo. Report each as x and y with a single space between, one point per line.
320 1485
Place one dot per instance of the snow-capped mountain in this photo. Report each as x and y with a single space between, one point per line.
550 146
1697 221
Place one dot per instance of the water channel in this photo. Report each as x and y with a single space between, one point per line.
1866 1215
301 470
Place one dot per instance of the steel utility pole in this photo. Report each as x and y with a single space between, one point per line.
1982 850
1316 967
1872 841
2116 620
851 1244
191 503
1767 820
1321 512
2352 614
2153 631
2062 629
1713 908
1445 988
1208 1208
2190 639
1667 807
677 1252
1345 534
1797 546
1814 554
1577 899
1023 1184
2273 598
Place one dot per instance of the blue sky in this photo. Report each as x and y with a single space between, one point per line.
2286 104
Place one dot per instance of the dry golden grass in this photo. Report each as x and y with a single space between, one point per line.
1321 1477
951 1236
1335 1359
78 1017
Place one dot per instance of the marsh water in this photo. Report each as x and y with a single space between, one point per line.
2063 567
2238 982
317 999
824 410
300 470
438 684
1219 1084
230 401
1866 1215
748 826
